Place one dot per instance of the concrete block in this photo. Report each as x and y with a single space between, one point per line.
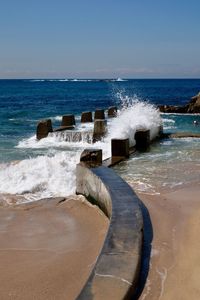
92 156
112 111
99 114
100 129
120 147
160 130
86 117
142 138
68 120
43 128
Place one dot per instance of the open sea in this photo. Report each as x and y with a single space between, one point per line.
31 169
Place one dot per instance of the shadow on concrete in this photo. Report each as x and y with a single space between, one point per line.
146 251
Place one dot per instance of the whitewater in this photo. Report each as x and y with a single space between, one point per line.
53 174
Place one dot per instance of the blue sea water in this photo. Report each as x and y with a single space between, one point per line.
24 102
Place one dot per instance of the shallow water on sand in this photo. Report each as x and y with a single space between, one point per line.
169 164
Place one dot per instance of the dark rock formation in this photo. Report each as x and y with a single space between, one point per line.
192 107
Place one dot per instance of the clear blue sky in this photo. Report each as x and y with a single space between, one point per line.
99 38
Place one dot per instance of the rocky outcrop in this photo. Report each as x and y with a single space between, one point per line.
192 107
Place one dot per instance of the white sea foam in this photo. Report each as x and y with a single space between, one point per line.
168 120
56 118
38 80
119 80
40 177
134 115
53 174
181 114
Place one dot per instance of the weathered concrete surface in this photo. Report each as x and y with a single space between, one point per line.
68 120
116 271
100 129
92 156
142 138
99 114
62 128
112 111
120 147
43 128
86 117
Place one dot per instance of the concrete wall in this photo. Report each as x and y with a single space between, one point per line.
116 271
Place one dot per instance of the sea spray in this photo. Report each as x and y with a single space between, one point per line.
40 177
134 115
53 174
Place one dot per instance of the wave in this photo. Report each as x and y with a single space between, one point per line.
64 80
78 80
168 121
181 114
53 174
119 80
40 177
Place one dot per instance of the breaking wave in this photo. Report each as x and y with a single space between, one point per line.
53 174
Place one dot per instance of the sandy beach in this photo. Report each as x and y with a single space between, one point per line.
48 248
174 266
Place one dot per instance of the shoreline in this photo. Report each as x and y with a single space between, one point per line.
174 268
48 248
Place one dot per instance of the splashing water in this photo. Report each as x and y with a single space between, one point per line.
53 173
40 177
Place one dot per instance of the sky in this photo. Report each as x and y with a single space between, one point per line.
99 39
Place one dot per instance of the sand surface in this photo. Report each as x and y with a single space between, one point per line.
174 266
47 249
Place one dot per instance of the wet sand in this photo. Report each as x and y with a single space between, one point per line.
48 248
174 268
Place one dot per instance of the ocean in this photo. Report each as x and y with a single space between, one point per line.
31 169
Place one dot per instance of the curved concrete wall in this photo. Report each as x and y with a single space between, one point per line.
116 271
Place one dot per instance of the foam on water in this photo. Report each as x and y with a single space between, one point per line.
53 173
134 115
40 177
169 165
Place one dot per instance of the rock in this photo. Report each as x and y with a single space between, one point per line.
173 109
192 107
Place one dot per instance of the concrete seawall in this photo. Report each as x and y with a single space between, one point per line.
116 270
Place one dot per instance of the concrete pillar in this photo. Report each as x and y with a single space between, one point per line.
43 128
112 111
99 114
120 147
86 117
100 129
68 120
92 157
160 130
142 138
